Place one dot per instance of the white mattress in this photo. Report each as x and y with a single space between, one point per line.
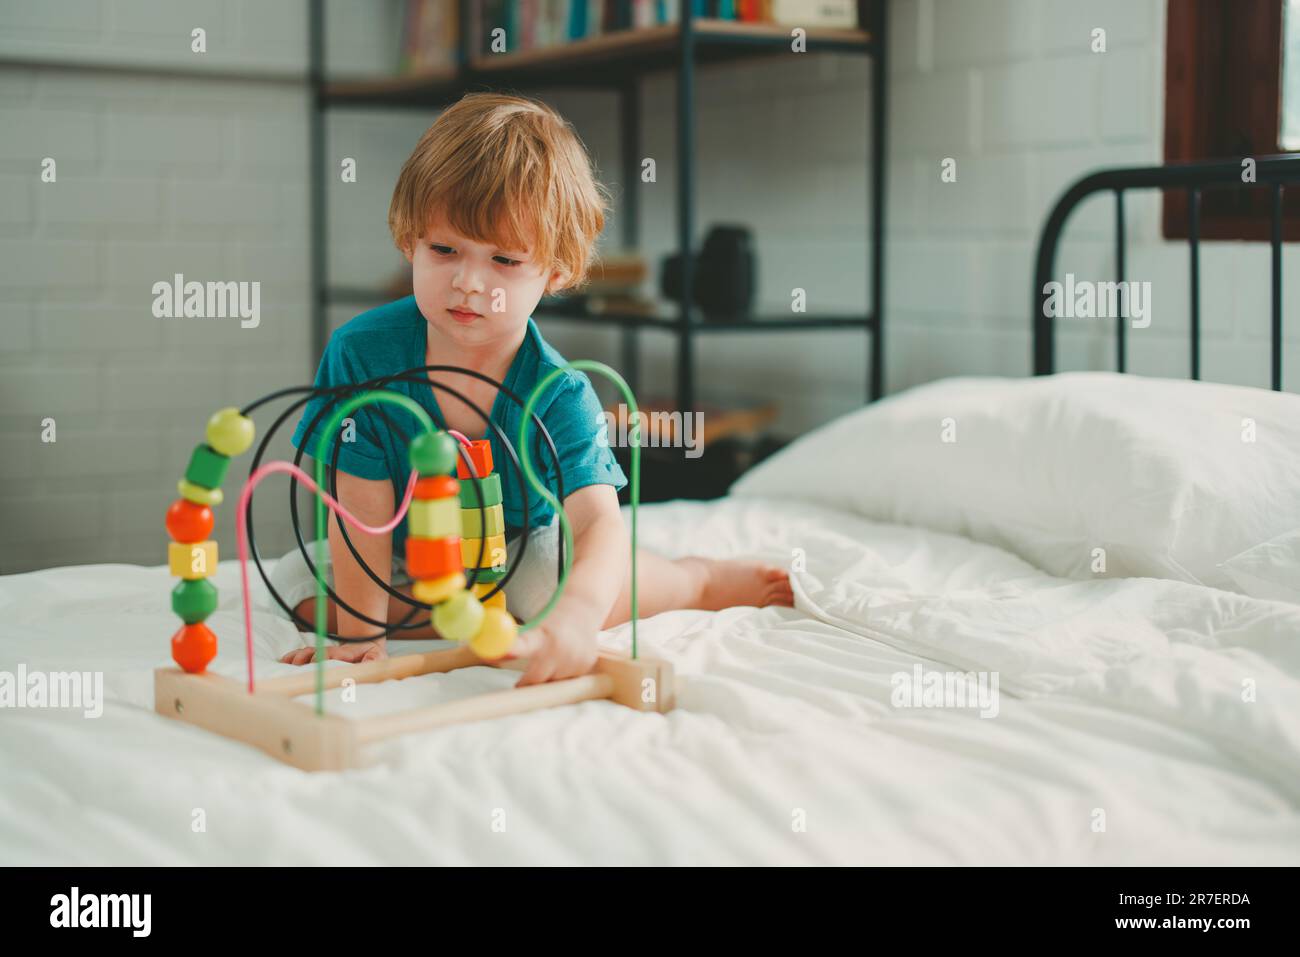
1118 696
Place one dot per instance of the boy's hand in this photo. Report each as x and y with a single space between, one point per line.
355 651
563 646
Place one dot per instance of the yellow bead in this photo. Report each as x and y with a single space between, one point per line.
198 494
191 560
229 432
496 601
459 617
494 517
494 551
496 636
431 591
434 518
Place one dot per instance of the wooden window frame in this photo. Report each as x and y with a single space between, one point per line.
1223 90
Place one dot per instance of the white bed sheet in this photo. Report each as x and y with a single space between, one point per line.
1118 695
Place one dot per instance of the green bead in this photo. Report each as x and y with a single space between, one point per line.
230 433
491 492
459 617
207 468
487 573
194 600
433 453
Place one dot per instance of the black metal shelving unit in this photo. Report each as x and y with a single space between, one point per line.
617 61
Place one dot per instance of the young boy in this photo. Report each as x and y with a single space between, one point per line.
496 206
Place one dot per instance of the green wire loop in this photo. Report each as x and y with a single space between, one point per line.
525 461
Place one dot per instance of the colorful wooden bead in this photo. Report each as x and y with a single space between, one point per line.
433 591
191 560
491 486
480 453
194 600
434 518
207 468
198 494
480 591
459 617
230 433
189 521
494 551
193 647
433 453
436 486
430 558
496 636
473 522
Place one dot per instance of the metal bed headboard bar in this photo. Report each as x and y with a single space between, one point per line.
1271 172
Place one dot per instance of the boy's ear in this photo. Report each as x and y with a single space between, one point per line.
558 280
408 251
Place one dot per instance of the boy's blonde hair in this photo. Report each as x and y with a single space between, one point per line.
508 171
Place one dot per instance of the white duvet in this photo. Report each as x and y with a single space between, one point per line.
1138 721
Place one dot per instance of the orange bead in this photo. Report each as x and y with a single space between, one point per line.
193 647
480 453
432 557
436 486
189 521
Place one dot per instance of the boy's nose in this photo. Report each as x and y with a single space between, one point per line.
468 281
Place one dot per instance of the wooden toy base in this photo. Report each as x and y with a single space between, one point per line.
270 718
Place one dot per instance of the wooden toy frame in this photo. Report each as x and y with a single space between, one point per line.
269 719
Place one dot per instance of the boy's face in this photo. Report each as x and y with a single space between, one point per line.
499 287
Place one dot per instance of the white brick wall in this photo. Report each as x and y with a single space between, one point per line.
1012 91
202 176
206 176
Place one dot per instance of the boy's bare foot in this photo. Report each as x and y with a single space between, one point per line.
731 583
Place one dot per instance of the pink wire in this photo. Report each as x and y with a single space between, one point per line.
241 530
460 435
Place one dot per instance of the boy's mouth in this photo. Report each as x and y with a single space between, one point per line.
463 315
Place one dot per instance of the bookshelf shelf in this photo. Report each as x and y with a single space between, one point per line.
617 61
600 61
570 312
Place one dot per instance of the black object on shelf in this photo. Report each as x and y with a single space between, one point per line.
724 275
617 62
667 474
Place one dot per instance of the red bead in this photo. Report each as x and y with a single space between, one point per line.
189 521
480 453
193 647
432 557
436 486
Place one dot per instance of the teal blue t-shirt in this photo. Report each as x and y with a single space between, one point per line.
393 338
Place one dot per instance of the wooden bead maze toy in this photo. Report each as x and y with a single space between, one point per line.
455 554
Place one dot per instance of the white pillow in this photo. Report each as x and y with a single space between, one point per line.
1170 478
1270 570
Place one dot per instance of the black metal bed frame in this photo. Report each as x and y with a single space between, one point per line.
1271 172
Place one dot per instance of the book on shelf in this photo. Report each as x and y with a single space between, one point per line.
430 36
500 26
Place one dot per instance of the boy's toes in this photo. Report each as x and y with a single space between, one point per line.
777 590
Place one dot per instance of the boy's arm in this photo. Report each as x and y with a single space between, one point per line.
370 500
596 577
600 551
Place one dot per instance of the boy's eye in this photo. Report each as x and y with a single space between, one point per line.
447 251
